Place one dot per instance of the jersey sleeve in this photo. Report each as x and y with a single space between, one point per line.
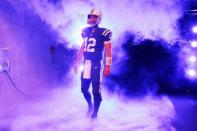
107 34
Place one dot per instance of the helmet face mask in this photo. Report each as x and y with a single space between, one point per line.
94 17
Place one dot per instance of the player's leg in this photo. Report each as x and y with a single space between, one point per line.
85 85
95 73
97 98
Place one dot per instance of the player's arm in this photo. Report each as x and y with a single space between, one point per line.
108 58
107 34
79 56
80 51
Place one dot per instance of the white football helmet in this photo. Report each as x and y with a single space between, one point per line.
95 13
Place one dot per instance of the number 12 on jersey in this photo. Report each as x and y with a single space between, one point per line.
90 44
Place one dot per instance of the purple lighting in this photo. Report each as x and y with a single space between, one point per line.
39 41
52 113
194 44
191 73
4 62
194 29
192 59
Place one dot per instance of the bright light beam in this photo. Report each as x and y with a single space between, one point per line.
192 59
191 73
74 34
194 44
194 29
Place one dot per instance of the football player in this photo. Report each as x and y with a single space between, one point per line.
96 40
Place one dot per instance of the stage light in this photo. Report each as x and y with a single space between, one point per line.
192 59
194 44
194 29
191 73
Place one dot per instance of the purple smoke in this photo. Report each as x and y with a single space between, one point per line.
28 28
152 19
